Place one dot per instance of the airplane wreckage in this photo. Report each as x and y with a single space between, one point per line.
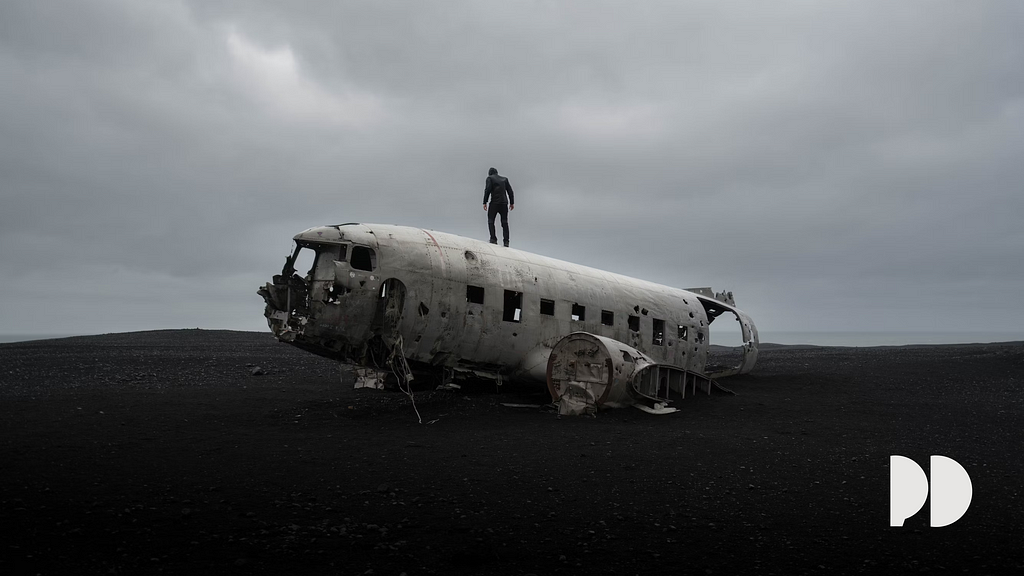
407 301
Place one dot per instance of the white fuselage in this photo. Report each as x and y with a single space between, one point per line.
467 304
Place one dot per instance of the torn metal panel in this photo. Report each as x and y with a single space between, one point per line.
659 408
370 378
463 305
577 399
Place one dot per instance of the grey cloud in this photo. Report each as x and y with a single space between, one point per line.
810 156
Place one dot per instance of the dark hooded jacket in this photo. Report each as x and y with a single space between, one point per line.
496 188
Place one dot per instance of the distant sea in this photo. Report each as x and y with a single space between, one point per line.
28 337
870 338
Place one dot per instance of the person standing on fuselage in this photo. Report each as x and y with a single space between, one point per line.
502 199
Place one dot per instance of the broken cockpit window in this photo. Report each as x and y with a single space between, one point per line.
634 323
363 258
307 275
579 313
301 261
291 290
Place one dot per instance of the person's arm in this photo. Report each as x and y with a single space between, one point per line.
487 190
511 195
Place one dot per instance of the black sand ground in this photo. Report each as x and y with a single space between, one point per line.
159 452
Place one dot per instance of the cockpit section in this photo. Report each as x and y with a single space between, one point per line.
326 296
288 296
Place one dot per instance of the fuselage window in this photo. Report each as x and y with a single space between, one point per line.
513 306
341 257
682 332
634 323
658 337
547 307
363 258
607 317
474 294
579 313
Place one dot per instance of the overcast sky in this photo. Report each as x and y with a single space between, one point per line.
837 165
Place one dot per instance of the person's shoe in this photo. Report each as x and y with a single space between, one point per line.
495 241
506 244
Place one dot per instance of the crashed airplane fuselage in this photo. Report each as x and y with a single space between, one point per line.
450 305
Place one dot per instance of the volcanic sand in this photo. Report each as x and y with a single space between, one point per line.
163 452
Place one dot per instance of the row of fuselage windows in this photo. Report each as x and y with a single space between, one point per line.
512 311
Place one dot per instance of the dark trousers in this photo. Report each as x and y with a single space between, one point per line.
493 209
